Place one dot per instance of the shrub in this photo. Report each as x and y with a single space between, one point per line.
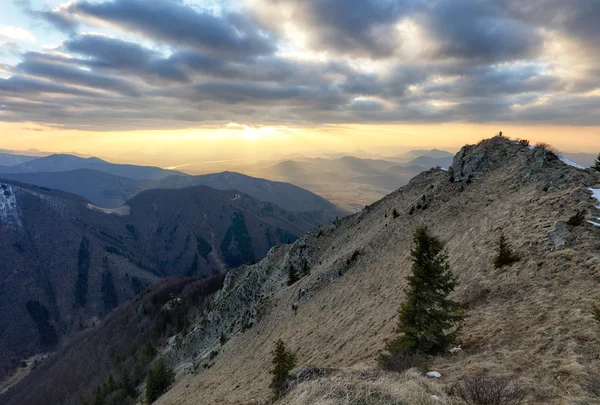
545 146
283 362
505 254
524 142
428 321
401 361
482 389
223 339
395 213
159 379
577 218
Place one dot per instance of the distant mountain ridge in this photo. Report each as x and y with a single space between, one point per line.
112 191
63 162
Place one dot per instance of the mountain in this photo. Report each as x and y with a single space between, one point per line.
11 160
103 189
416 153
532 320
111 191
66 262
429 162
61 163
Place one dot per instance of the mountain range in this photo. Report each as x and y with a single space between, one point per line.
532 320
66 262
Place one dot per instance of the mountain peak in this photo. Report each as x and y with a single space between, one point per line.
475 160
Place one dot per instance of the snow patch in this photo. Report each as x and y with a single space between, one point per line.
433 374
9 210
595 194
595 223
121 211
569 162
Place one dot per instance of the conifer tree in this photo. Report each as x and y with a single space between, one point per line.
596 165
284 362
292 276
159 379
127 385
505 254
428 322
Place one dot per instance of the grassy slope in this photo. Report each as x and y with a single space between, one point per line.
532 319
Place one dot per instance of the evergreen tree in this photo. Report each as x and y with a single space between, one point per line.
284 362
505 254
428 322
292 276
127 385
596 165
159 379
223 339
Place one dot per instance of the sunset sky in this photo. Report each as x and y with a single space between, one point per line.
166 81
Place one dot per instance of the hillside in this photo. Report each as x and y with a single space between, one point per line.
112 191
66 263
532 319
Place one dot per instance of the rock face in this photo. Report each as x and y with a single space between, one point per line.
475 160
529 318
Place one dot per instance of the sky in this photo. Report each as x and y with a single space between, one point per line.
169 81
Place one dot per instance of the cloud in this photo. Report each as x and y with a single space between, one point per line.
168 64
16 33
172 22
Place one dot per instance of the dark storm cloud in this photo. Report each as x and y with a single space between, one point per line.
478 61
353 26
472 29
178 24
74 75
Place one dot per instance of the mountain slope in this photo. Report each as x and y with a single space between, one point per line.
66 263
7 159
111 191
61 163
103 189
532 319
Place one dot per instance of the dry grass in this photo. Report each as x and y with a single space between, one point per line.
532 319
409 388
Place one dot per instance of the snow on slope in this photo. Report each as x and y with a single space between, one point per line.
569 162
9 211
596 195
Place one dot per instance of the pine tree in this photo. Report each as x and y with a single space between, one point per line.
292 276
428 322
127 385
505 254
596 165
284 362
159 379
